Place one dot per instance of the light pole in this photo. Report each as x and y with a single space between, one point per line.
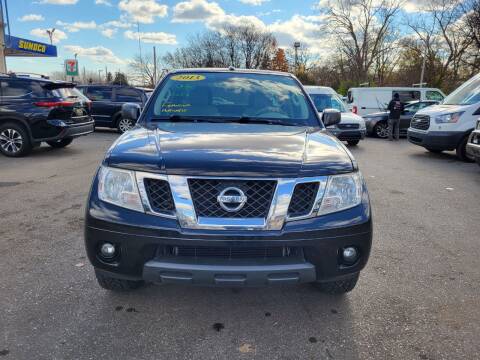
50 35
100 76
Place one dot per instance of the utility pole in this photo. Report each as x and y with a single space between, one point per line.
100 76
154 66
423 68
50 35
84 76
3 63
106 74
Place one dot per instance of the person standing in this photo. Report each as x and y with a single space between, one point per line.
395 107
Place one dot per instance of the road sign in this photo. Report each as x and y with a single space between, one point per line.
71 67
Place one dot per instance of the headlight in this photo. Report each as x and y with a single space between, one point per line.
119 187
362 125
478 125
342 192
448 118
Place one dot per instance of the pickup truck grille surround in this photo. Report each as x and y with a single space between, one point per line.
211 202
205 192
420 122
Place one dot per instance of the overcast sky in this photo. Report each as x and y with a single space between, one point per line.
104 32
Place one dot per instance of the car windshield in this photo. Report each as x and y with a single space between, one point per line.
328 101
232 96
467 94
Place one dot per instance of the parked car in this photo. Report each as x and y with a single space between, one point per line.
35 110
473 145
368 100
229 178
107 101
377 123
448 126
351 127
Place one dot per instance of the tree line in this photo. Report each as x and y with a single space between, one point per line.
372 42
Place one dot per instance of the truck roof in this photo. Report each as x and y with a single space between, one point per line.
231 70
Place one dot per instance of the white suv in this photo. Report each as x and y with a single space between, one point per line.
447 126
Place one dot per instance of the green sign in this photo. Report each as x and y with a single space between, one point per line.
71 67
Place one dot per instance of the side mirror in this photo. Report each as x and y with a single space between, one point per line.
331 117
131 111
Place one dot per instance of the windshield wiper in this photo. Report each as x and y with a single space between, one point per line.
180 118
254 120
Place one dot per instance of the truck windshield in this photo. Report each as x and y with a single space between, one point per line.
466 94
230 96
328 101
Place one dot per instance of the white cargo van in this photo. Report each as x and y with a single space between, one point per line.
367 100
447 126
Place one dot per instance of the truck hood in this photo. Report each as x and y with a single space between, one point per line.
207 149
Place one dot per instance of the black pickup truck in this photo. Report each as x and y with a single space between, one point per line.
230 179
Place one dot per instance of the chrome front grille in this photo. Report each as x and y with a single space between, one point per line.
420 122
348 126
205 192
199 203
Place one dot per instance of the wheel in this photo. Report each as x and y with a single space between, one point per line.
125 125
114 284
435 151
14 140
339 286
353 142
381 130
462 150
60 143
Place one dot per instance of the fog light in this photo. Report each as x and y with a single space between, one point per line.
108 251
350 255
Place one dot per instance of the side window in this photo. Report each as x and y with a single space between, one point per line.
99 93
15 89
349 97
128 95
413 108
434 95
406 96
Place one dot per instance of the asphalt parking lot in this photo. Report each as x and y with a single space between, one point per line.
418 298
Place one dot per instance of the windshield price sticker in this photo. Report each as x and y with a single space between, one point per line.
188 77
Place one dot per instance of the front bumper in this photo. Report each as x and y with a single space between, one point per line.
349 135
435 140
473 145
142 241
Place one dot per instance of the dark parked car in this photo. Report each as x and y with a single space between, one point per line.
377 123
473 145
229 178
107 101
35 110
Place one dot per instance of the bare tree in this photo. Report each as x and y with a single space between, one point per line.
362 28
142 70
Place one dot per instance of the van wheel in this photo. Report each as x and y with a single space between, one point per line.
339 286
60 143
353 142
114 284
14 140
381 130
462 150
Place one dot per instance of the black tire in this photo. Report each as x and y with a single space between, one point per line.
14 140
58 144
124 125
462 150
380 130
435 151
353 142
114 284
338 287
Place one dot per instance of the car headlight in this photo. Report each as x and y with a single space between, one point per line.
119 187
448 118
478 125
342 192
363 126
